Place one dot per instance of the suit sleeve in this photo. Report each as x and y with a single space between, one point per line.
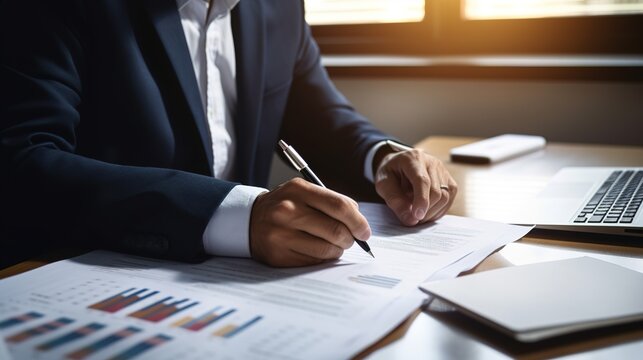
333 137
48 189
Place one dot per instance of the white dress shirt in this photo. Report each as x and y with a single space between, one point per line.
208 33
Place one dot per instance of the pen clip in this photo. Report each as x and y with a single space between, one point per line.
295 159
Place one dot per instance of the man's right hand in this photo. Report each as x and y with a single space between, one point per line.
300 223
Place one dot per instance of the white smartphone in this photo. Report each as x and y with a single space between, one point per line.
497 148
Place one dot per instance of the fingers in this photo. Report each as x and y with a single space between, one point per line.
453 192
303 224
389 188
338 207
319 225
423 184
315 248
426 176
448 196
439 196
302 249
288 248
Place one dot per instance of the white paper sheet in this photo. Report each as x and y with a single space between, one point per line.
4 352
296 313
476 257
441 250
233 308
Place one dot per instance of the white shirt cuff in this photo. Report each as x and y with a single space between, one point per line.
227 233
368 162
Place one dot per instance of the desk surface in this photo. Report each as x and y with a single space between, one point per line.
490 191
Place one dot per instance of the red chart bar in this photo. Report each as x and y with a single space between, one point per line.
142 347
71 336
20 319
39 330
161 310
103 343
122 300
206 319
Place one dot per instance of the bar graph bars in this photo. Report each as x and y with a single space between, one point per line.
231 330
162 309
39 330
142 347
103 343
122 300
92 337
32 315
70 336
376 280
198 323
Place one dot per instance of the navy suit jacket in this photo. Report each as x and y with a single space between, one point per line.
103 139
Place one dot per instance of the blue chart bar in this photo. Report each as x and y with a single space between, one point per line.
196 324
71 336
39 330
234 330
20 319
161 309
142 347
242 327
376 280
103 343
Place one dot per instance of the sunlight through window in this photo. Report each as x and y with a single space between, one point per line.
334 12
513 9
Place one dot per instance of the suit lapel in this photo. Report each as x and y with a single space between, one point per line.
248 33
167 23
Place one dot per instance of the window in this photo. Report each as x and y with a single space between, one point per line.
333 12
477 26
512 9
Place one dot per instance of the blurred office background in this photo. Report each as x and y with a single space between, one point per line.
570 70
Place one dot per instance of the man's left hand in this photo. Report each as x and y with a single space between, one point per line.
415 185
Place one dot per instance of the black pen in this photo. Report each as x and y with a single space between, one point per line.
301 166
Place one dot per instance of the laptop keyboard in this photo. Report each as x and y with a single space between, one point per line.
616 201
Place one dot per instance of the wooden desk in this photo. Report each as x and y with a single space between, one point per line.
490 191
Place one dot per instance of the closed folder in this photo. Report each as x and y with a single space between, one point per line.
539 301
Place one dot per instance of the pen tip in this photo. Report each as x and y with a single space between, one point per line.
371 254
283 145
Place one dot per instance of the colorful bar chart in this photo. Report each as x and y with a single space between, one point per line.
122 300
39 330
231 330
196 324
103 343
71 336
142 347
376 280
162 309
32 315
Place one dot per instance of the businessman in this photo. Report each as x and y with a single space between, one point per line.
148 126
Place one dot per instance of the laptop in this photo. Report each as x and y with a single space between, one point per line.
590 199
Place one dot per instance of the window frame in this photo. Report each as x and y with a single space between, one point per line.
443 31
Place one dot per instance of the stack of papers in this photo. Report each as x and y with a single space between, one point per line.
109 304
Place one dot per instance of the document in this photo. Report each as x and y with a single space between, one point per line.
476 257
110 305
4 353
122 306
437 250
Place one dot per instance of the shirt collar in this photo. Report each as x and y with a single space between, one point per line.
225 5
182 3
